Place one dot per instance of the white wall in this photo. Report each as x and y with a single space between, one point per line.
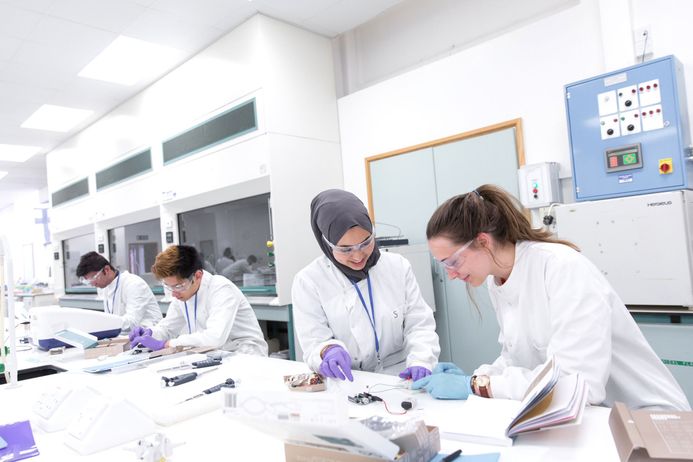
519 74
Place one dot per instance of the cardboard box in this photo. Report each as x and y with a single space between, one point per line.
108 347
645 435
305 453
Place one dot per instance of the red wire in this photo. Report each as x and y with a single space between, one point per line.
393 413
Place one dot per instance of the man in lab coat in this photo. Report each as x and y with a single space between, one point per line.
124 294
208 310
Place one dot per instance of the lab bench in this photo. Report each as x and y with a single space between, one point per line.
205 433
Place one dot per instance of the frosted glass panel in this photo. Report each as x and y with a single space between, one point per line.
462 166
404 194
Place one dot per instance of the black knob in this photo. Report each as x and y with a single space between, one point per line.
610 131
631 127
628 103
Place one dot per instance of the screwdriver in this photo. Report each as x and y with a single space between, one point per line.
184 378
229 383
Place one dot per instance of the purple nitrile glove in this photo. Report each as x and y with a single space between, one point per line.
415 373
334 359
138 331
149 342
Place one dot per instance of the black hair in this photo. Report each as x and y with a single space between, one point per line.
90 262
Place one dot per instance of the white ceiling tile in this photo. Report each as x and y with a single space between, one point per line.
8 47
100 14
17 22
40 6
70 34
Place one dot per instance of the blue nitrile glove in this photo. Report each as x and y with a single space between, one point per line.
149 342
334 359
445 386
415 373
447 368
138 331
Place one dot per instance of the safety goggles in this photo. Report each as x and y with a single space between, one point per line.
185 285
455 260
90 280
347 249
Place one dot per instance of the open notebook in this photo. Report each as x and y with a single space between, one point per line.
549 402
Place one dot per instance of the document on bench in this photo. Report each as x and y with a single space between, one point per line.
549 402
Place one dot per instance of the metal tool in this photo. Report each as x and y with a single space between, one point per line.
229 383
193 365
181 379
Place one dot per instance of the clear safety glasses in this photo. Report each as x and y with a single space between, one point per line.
91 280
347 249
185 285
455 260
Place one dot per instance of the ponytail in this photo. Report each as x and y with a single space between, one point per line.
487 209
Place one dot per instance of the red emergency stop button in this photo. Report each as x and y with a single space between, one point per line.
666 166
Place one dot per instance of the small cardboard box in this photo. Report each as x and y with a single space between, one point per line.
645 435
108 347
294 452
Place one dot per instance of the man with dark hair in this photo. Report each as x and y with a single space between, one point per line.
236 270
208 310
124 294
225 260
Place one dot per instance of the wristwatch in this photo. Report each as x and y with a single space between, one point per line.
481 385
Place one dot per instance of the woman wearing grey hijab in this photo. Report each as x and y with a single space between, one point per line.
356 308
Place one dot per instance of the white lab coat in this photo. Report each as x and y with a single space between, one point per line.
225 319
327 310
556 302
236 270
133 300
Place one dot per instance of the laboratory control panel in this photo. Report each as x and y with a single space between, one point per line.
629 132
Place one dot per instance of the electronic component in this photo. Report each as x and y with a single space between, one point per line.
364 398
305 382
409 403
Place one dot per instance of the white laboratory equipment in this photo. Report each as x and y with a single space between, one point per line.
642 244
539 185
47 320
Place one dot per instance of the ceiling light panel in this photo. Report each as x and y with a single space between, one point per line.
56 118
17 153
127 61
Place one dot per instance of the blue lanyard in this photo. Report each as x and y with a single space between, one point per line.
371 315
108 308
188 316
